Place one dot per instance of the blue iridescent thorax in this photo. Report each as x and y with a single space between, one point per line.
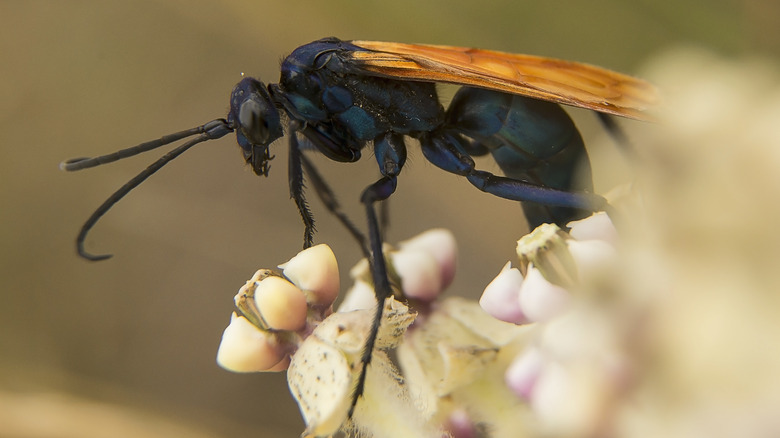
320 88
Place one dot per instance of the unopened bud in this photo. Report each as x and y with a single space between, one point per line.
595 227
440 243
281 305
541 300
246 348
315 271
419 272
500 298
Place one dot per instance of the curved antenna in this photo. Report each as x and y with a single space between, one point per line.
84 163
209 131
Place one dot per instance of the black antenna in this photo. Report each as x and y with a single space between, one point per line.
209 131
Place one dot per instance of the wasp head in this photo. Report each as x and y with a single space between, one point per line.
256 121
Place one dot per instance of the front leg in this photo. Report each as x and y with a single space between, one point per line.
295 180
328 198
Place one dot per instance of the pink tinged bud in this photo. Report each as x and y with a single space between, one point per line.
440 243
595 227
281 305
522 374
245 348
316 272
541 300
500 298
419 272
460 425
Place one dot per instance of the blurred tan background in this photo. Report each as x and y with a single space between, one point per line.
81 78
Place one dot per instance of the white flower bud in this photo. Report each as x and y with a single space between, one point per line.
316 272
595 227
245 348
541 300
594 258
281 305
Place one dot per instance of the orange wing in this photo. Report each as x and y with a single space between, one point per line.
553 80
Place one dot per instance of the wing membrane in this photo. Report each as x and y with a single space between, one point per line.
554 80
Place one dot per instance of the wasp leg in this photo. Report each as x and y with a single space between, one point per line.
446 151
384 217
295 180
328 198
390 152
379 191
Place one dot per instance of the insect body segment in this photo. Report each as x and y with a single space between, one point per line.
337 97
531 140
342 108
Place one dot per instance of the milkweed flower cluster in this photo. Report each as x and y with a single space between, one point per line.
574 366
285 321
552 262
453 356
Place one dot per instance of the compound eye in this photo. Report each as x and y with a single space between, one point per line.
251 119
